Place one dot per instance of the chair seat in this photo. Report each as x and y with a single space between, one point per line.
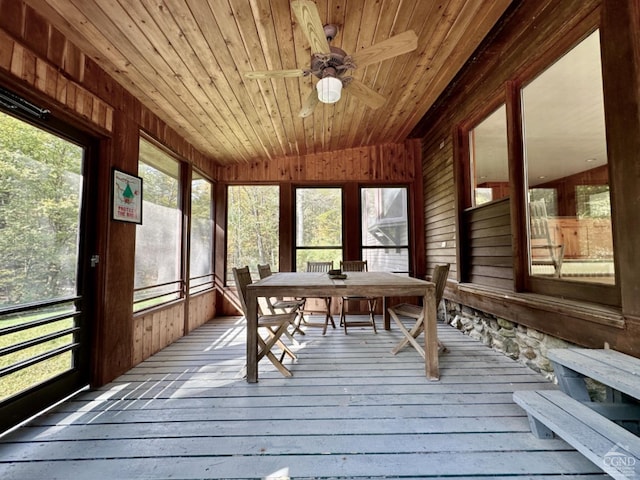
288 304
408 310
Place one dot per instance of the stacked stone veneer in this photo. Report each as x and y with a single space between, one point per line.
524 344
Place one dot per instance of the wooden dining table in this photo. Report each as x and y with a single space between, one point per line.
319 284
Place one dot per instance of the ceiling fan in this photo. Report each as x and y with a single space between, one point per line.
331 64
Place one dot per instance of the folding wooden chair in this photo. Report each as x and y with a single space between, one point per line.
274 325
278 305
323 267
439 277
357 266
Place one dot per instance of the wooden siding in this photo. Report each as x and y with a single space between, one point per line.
351 410
156 329
42 76
381 163
439 203
202 308
488 250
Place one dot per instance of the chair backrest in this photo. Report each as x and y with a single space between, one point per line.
353 266
439 277
319 266
539 221
242 277
264 270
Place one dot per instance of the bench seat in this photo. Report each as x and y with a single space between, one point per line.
606 444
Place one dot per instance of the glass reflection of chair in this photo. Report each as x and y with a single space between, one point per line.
357 266
281 305
274 325
322 267
416 312
541 239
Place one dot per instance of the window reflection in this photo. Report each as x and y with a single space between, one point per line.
385 229
567 174
489 160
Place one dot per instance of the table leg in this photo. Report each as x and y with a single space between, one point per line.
431 336
252 337
385 314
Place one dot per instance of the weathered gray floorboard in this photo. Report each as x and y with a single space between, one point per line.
351 410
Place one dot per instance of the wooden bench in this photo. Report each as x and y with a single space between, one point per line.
601 431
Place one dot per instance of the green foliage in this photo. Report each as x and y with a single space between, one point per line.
40 193
252 226
319 217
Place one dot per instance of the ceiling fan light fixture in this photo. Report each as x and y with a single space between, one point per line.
329 89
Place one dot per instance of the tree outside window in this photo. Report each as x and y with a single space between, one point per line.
253 214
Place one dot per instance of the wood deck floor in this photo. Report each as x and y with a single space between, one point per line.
351 410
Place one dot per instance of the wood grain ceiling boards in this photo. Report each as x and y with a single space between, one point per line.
185 59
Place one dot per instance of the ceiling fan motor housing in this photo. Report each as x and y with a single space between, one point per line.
333 60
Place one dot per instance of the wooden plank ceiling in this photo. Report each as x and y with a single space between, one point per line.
185 60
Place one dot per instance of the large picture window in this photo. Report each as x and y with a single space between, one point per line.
158 240
318 226
385 229
570 235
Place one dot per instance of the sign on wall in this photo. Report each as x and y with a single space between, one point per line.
127 197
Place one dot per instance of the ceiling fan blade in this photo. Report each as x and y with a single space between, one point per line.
389 48
309 104
308 17
366 95
275 74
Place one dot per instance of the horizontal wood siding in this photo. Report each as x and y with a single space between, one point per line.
489 253
382 163
439 203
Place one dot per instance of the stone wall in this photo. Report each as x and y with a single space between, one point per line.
523 344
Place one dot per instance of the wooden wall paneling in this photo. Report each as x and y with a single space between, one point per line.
219 238
6 52
202 308
35 30
13 17
286 256
113 342
517 175
351 221
416 191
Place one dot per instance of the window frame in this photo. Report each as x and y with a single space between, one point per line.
178 293
582 291
209 284
409 218
523 281
294 232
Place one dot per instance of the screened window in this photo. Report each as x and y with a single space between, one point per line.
158 240
253 221
41 199
489 163
570 235
318 226
385 229
201 235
